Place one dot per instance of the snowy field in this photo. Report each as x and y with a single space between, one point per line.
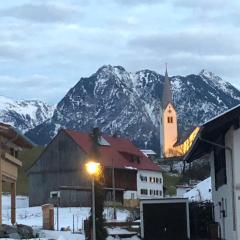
201 192
32 216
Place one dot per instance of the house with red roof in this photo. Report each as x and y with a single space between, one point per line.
61 168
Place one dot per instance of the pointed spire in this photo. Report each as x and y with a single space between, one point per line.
166 72
167 92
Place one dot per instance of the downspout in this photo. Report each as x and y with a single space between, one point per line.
232 173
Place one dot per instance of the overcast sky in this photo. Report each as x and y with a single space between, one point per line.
47 45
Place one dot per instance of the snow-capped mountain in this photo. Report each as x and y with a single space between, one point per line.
128 104
24 114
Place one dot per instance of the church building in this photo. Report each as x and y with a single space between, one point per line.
169 144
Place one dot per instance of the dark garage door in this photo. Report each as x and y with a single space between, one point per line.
165 221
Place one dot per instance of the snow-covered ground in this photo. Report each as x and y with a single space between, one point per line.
21 201
32 216
201 192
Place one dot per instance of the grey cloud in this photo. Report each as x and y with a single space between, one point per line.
205 5
44 13
11 51
200 43
137 2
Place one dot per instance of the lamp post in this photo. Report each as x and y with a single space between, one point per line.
93 169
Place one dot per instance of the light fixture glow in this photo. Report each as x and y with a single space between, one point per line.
93 168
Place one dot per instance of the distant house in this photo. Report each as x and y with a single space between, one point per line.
61 168
182 189
220 139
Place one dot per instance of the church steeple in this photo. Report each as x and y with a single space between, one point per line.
167 91
168 122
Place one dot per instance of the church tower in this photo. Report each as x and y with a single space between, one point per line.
168 121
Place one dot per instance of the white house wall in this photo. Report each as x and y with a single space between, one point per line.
149 185
130 195
223 195
236 168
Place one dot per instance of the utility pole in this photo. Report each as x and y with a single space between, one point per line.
114 191
93 209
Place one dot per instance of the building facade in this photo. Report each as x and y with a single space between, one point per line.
220 139
149 184
61 167
11 143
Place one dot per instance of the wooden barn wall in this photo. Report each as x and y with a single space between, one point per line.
124 178
59 165
76 198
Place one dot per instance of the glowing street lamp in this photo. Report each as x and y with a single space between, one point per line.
93 169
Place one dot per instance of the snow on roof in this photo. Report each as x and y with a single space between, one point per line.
147 152
131 168
201 192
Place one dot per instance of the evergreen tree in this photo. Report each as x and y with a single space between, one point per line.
101 232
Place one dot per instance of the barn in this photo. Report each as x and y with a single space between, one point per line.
61 168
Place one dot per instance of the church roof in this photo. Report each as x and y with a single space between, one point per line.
184 136
167 92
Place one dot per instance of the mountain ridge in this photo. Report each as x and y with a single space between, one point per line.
24 114
128 104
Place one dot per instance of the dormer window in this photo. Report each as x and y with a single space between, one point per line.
170 119
135 159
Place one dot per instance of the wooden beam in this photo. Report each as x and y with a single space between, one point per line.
13 160
13 203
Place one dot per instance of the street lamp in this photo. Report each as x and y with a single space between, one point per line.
93 169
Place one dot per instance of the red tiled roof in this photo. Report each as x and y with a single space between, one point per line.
115 152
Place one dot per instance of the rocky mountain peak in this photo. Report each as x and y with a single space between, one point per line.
116 100
209 75
24 114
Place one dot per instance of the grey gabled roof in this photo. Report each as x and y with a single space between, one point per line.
167 92
211 131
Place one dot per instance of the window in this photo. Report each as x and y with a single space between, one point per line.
157 180
143 178
135 158
160 180
220 164
160 193
170 119
12 151
132 196
152 179
144 192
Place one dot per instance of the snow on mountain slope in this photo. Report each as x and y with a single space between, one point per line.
128 104
24 114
